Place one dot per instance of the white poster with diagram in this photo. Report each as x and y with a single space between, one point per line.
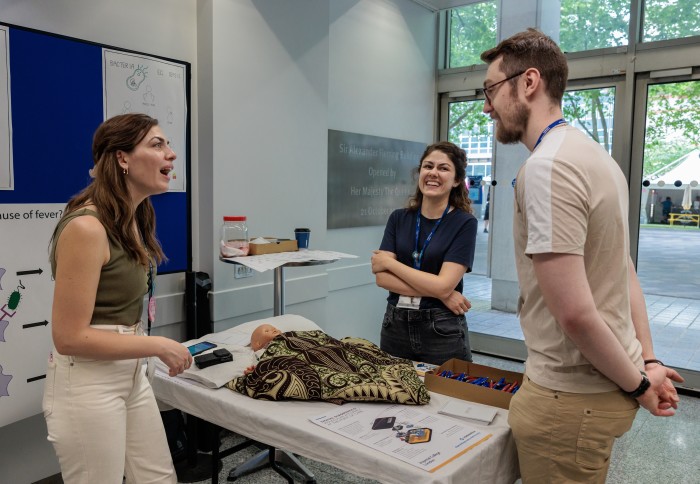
136 83
6 172
26 292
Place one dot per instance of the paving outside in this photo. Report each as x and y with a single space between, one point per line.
669 272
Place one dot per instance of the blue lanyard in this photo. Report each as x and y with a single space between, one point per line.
418 256
546 130
151 290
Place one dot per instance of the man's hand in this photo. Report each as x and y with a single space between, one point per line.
457 303
661 399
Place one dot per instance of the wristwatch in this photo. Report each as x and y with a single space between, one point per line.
643 387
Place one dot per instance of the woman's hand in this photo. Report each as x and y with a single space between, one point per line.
457 303
175 355
381 260
249 369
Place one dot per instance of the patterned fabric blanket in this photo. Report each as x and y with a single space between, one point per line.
310 365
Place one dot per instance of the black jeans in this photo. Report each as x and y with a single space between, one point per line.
428 335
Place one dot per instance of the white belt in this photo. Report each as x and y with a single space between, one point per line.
120 328
135 329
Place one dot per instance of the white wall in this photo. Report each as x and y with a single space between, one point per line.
382 83
358 66
270 77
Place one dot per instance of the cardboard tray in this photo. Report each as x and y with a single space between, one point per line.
280 245
467 391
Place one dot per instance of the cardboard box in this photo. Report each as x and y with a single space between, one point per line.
467 391
275 245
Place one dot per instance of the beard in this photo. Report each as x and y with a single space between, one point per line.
518 118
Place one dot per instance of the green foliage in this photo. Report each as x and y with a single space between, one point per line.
673 116
584 25
590 110
670 19
673 123
473 29
467 117
593 24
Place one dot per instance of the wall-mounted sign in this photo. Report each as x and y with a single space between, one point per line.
368 177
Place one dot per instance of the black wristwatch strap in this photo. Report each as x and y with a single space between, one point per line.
643 387
658 362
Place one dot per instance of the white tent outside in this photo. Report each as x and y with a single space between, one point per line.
687 198
685 170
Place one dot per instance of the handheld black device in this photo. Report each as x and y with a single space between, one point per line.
219 355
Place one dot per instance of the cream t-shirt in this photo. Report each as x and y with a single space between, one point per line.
572 198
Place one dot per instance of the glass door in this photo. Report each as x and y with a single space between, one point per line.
667 145
470 129
590 108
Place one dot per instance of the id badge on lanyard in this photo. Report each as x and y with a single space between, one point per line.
409 302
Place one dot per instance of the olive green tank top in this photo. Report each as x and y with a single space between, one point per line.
123 281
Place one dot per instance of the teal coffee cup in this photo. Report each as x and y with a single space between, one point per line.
302 236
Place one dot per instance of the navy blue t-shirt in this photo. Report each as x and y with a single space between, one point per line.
453 241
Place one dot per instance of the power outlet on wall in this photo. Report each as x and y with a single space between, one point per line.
242 271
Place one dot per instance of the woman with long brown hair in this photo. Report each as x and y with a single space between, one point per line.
99 407
426 250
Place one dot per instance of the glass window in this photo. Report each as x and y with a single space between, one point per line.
473 29
594 24
467 123
673 117
472 131
670 19
583 25
591 110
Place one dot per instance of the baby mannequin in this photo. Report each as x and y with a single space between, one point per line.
259 340
262 336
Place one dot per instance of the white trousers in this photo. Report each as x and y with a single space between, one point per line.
104 423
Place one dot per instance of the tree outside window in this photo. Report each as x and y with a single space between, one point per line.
670 19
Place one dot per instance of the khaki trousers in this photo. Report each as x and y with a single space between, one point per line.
567 437
104 423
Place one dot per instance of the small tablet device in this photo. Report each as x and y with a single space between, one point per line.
200 347
418 436
383 423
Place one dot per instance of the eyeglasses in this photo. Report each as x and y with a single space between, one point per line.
495 84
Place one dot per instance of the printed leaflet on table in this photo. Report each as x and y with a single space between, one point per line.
262 263
421 439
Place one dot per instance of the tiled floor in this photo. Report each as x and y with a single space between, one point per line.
674 322
669 272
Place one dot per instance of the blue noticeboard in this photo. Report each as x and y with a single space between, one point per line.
56 96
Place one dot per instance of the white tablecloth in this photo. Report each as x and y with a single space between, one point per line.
286 425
